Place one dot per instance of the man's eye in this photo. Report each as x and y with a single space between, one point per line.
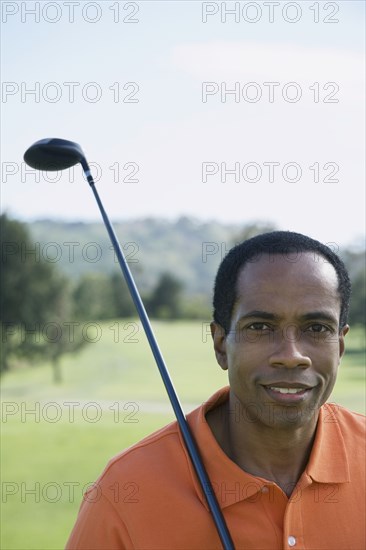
258 326
317 327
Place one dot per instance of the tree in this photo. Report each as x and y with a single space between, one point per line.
358 299
124 306
35 301
165 300
60 332
93 297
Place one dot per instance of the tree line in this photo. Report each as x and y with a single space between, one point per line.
41 308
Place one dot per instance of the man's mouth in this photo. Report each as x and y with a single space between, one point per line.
288 393
286 390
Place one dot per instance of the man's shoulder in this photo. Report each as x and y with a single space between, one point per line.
153 447
152 466
163 450
345 414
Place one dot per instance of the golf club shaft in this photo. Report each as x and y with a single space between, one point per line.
183 424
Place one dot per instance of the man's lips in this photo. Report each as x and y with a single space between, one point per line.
282 384
287 391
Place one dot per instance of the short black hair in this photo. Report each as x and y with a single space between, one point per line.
275 242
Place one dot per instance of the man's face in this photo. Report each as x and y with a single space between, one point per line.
284 346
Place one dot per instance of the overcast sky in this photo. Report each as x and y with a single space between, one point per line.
186 109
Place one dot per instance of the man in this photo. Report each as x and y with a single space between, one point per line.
287 468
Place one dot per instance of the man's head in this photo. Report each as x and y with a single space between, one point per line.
281 303
285 243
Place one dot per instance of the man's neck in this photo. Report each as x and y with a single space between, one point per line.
275 453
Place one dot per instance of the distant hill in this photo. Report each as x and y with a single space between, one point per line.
189 249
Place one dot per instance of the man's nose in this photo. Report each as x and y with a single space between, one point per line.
289 349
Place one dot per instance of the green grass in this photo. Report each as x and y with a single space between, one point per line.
45 468
57 459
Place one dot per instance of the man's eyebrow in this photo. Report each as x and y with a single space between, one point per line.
258 314
319 315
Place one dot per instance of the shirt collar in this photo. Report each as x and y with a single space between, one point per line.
327 463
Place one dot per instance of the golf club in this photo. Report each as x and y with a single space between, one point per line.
59 154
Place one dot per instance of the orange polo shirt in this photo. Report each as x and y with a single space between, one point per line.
149 498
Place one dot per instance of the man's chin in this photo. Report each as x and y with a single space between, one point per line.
290 416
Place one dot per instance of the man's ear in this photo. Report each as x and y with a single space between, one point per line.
342 334
219 341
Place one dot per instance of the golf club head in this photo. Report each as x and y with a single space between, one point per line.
53 154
